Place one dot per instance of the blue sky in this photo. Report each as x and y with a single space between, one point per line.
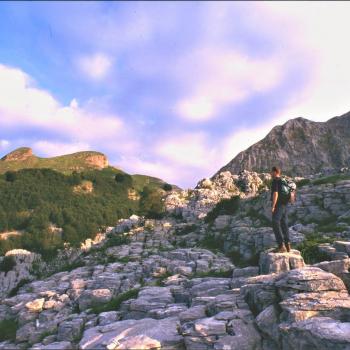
170 89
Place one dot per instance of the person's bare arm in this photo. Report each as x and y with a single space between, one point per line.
274 201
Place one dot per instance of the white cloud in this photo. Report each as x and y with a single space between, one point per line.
321 29
22 104
4 144
96 66
52 149
225 76
189 149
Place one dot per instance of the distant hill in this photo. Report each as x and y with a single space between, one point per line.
23 158
299 147
68 198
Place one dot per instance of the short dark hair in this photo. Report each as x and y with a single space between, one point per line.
276 169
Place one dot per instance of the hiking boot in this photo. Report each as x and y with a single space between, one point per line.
288 247
281 249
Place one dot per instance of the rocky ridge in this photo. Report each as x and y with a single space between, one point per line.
151 284
23 158
301 146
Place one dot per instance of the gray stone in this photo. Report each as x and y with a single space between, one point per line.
271 262
137 334
70 330
193 313
105 318
94 297
308 279
316 333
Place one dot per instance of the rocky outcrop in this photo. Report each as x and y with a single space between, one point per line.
147 333
299 147
301 308
271 262
98 161
196 203
19 154
150 293
20 272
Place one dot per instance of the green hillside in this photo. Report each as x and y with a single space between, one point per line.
23 158
64 199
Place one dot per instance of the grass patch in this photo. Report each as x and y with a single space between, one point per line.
115 303
117 240
182 231
20 284
7 264
238 260
303 182
330 227
212 242
228 206
8 330
331 179
310 251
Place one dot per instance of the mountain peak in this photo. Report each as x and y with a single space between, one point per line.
24 157
18 154
300 147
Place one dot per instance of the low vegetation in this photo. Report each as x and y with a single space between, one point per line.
8 330
213 242
115 303
7 264
228 206
310 251
36 201
332 179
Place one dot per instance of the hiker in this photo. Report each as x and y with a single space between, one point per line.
282 192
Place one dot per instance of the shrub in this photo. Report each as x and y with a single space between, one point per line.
10 176
212 242
238 260
120 177
225 207
310 251
8 330
182 231
303 182
117 240
115 303
20 284
7 264
167 187
151 204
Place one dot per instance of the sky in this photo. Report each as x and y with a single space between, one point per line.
169 89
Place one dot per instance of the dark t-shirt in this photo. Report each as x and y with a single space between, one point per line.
276 186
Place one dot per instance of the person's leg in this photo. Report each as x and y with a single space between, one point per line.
276 225
284 225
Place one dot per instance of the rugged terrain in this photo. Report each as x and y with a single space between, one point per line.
203 277
301 146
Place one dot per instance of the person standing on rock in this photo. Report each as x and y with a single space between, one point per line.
280 199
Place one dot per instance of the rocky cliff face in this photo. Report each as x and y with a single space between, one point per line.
19 154
299 147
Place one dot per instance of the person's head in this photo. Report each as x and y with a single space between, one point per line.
275 172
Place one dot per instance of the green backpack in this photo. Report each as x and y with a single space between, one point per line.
287 190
